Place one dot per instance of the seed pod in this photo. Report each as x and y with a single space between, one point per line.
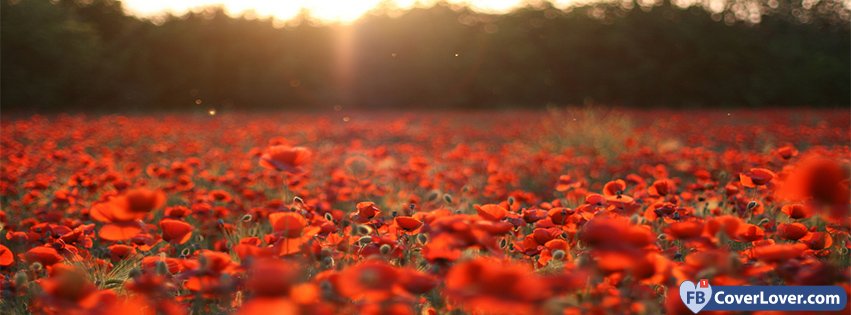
422 238
162 268
21 279
327 262
36 267
329 216
510 200
385 249
364 230
634 219
752 204
558 254
447 198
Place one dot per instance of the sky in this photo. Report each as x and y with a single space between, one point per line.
323 10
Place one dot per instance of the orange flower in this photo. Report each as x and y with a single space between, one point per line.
756 177
271 277
792 231
796 211
491 212
46 255
7 258
268 306
371 281
293 229
118 252
614 188
408 224
565 183
685 229
778 252
122 212
365 211
285 158
821 181
176 231
487 285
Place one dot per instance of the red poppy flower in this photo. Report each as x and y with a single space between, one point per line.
7 258
271 277
285 158
792 231
176 231
45 255
796 211
119 252
778 252
756 177
614 188
491 212
408 224
685 229
365 211
293 230
371 281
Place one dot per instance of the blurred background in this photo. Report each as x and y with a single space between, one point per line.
105 55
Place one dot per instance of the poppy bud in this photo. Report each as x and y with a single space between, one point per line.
21 279
162 268
329 217
502 243
365 240
185 252
764 221
393 214
432 196
363 229
247 218
327 262
558 254
510 200
447 198
634 219
422 238
752 204
36 267
385 249
298 200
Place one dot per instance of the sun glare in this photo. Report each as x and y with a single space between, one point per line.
323 10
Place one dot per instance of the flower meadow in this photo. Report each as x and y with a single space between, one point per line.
566 211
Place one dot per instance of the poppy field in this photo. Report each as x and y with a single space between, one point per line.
565 211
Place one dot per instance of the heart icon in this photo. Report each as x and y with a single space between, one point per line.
694 297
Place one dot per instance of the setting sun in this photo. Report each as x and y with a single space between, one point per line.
322 10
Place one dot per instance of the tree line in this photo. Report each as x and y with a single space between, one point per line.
66 55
